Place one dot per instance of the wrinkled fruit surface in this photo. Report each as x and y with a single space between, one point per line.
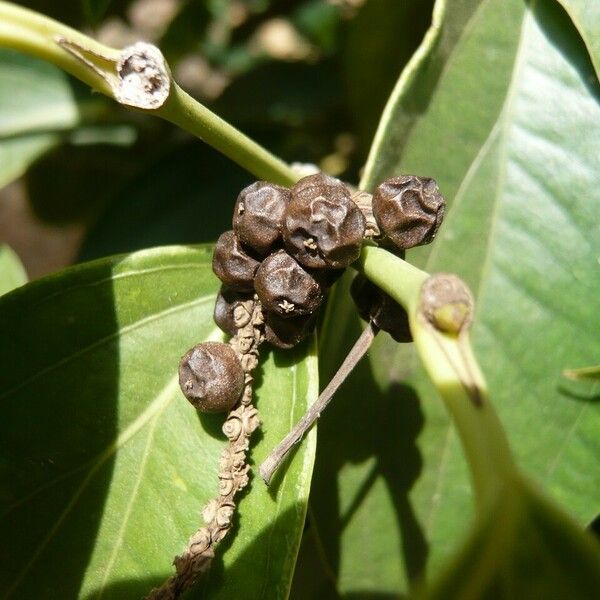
225 304
285 288
232 265
211 377
287 333
323 227
259 214
409 210
375 305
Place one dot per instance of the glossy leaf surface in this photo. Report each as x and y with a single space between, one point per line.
12 273
40 106
379 41
510 131
105 465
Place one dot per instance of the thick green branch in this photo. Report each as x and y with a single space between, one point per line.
449 361
31 33
96 65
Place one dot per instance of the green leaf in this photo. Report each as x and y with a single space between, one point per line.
38 103
105 466
12 272
586 17
409 102
371 62
320 23
17 154
367 462
511 130
522 548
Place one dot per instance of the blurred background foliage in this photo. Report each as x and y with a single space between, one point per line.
306 78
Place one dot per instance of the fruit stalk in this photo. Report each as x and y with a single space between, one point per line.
241 422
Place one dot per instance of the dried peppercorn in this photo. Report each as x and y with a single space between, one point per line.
323 227
285 288
408 210
258 215
287 333
232 265
211 376
225 306
375 305
318 181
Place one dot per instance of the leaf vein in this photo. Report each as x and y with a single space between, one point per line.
157 405
105 340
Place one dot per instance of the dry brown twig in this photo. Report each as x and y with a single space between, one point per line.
241 421
295 436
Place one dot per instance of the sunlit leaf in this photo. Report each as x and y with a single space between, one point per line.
12 273
511 131
583 373
105 466
39 106
36 102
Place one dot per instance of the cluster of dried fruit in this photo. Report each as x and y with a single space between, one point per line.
288 246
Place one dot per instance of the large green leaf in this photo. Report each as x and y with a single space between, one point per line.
586 16
17 154
105 466
12 272
512 132
410 100
36 101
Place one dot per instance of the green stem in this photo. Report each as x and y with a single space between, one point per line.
449 360
29 32
182 110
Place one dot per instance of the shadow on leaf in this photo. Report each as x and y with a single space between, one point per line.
355 437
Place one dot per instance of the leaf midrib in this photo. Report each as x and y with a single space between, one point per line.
501 124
